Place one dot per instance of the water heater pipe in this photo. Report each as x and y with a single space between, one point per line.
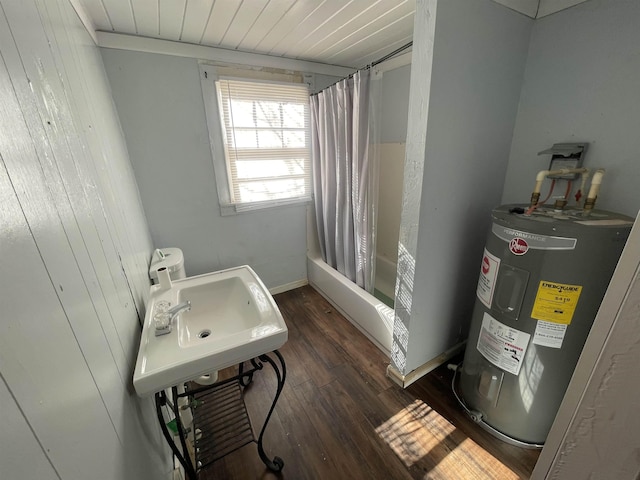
535 195
590 202
583 184
562 202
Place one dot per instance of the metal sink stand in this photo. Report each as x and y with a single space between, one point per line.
223 429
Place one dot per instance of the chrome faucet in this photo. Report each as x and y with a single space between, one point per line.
175 311
164 319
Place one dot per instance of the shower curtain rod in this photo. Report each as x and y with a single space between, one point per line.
392 54
373 64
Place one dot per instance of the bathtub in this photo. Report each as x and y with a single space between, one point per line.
370 315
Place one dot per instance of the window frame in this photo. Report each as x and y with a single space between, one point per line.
209 75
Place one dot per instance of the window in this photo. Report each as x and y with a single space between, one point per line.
265 132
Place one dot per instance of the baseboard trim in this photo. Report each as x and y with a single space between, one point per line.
405 380
289 286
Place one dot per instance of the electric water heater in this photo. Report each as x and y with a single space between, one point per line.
543 276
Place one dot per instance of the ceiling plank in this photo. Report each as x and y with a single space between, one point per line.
222 15
121 15
147 17
94 9
371 57
383 27
247 14
319 16
331 31
361 22
337 17
171 17
379 39
196 18
390 28
300 10
266 22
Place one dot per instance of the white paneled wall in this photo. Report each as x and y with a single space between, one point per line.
74 255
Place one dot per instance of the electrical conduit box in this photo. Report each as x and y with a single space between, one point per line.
565 155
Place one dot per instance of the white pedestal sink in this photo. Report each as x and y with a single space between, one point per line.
233 318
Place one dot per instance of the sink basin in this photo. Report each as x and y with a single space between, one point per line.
233 318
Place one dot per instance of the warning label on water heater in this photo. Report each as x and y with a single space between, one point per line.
549 334
502 345
556 302
487 280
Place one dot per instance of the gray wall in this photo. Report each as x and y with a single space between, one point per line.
581 84
160 104
479 53
75 251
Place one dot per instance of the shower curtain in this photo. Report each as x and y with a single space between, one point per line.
345 176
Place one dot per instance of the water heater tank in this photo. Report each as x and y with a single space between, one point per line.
542 279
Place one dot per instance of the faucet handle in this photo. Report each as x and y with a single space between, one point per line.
162 306
162 322
164 316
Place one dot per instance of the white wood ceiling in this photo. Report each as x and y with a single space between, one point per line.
349 33
337 32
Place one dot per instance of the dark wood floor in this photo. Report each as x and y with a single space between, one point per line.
340 417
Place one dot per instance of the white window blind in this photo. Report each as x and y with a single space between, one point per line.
266 134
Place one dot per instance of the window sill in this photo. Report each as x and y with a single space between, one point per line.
239 208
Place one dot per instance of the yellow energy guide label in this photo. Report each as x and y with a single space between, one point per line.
556 302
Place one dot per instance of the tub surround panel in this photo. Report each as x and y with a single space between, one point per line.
386 272
390 199
395 104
